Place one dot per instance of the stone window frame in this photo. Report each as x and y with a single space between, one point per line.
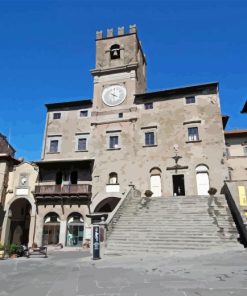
190 104
193 124
113 133
147 106
81 136
51 138
190 137
56 115
149 129
83 110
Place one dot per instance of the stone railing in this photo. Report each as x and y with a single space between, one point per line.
114 216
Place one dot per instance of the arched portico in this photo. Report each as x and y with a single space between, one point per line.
19 221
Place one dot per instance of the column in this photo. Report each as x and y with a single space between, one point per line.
5 229
31 231
62 234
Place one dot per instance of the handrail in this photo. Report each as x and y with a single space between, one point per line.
236 215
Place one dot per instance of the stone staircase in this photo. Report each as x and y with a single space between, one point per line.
171 224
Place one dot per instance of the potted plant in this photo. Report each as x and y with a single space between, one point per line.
212 191
2 251
148 193
14 250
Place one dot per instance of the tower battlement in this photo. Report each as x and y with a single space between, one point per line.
120 32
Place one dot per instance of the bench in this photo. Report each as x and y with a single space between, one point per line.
37 251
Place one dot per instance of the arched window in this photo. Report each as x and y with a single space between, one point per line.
75 230
115 52
51 229
113 178
155 181
74 177
202 179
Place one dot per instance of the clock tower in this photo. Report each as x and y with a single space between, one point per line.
120 70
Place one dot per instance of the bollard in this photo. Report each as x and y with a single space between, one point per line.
96 243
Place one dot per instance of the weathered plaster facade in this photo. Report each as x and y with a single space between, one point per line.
7 161
171 141
19 207
236 145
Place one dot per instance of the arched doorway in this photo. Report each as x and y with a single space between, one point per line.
107 205
202 179
155 181
51 229
19 214
75 230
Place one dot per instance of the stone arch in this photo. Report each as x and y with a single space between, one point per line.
19 216
107 205
155 171
30 200
202 168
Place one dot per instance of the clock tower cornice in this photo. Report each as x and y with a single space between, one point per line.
126 68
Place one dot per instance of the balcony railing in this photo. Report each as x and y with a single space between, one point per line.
74 189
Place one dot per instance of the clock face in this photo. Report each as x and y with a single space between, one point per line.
114 95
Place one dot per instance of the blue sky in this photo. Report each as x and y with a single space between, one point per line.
47 49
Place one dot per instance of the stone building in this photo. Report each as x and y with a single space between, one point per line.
7 161
94 150
236 149
19 207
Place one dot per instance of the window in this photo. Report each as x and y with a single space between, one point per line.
149 138
113 142
84 113
115 52
113 178
193 134
120 115
53 146
56 115
82 144
190 100
148 106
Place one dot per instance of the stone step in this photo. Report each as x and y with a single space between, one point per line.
172 224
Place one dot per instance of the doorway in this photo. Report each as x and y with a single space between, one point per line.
155 185
202 180
19 215
178 185
51 229
75 229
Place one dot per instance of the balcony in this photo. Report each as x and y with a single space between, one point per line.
65 190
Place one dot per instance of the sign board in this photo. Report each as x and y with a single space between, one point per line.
21 191
96 242
242 196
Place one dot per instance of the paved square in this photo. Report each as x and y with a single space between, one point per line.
74 273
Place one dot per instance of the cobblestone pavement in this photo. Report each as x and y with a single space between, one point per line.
75 274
